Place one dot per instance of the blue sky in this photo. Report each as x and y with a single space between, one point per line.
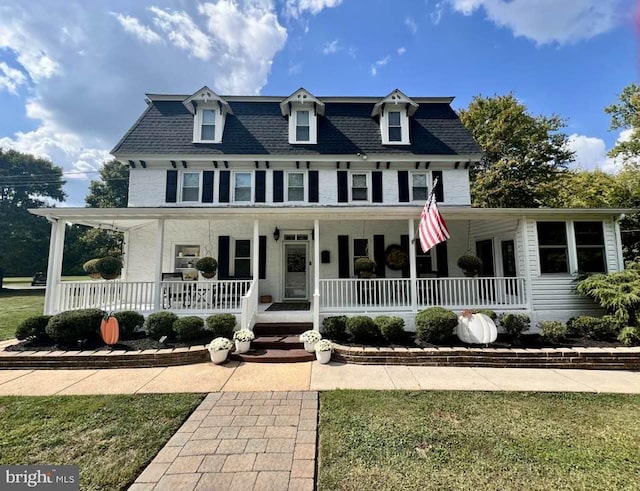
73 73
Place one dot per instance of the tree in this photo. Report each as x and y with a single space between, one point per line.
626 115
26 182
112 190
523 153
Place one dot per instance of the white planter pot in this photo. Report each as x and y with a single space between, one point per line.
242 346
218 357
310 347
323 356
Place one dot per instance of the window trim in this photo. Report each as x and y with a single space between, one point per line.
313 126
429 185
404 125
305 186
181 186
251 199
197 123
603 246
568 246
233 257
367 175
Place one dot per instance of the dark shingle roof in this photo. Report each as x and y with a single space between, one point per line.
258 127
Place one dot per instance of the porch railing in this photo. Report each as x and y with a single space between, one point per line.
249 307
367 294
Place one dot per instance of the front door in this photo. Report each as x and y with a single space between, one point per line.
295 271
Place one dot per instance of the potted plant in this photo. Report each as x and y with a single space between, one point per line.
207 266
219 349
90 268
310 338
243 339
364 267
469 264
395 258
323 351
109 267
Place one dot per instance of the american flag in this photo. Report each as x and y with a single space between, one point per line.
432 228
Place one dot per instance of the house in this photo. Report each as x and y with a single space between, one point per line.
287 192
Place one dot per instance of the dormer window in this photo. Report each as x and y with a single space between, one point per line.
394 112
302 126
209 115
208 126
395 127
303 110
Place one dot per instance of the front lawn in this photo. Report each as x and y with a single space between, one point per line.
111 438
472 440
16 306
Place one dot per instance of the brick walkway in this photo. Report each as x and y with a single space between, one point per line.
240 441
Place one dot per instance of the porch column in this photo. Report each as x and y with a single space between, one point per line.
527 262
316 275
50 285
412 266
255 258
157 292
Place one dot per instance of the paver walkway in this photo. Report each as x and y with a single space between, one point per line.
240 441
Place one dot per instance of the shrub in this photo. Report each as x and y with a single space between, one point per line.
435 324
553 330
109 266
515 324
598 328
630 336
222 325
391 328
89 267
469 262
334 327
207 265
189 327
129 321
489 313
364 265
33 328
618 293
160 324
362 328
75 325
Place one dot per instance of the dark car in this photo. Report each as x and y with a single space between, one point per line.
39 279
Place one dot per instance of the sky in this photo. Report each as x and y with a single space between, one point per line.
73 73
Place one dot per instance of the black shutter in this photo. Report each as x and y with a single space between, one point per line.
376 181
313 186
260 186
404 245
343 189
171 191
262 257
442 260
207 186
403 186
278 190
343 257
378 255
439 191
225 177
223 257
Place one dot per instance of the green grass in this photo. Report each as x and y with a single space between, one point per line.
471 440
111 438
16 306
22 281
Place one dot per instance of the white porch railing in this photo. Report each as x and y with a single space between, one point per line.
374 294
473 293
216 295
249 307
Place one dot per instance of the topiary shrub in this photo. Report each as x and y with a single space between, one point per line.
75 325
435 324
160 324
129 321
33 328
598 328
391 328
489 313
109 267
630 336
515 324
189 327
335 327
207 266
363 329
553 330
222 325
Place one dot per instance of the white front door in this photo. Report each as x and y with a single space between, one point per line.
296 264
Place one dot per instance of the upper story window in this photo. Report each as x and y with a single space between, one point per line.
419 186
190 186
552 242
208 126
295 186
394 112
359 187
209 115
302 126
302 109
590 247
242 186
395 126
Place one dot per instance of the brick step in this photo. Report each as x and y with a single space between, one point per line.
277 342
274 356
281 328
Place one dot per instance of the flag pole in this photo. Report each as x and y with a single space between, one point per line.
429 198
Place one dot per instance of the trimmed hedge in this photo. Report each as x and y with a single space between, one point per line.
335 327
435 324
222 325
553 330
391 328
33 328
189 327
160 324
598 328
129 321
362 328
75 325
515 324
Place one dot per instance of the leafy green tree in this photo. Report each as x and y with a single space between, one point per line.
626 115
26 182
112 190
523 153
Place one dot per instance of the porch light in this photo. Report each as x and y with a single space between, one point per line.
276 234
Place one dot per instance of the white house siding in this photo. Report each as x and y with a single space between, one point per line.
456 187
146 187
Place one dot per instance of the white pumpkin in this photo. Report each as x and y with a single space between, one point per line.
476 329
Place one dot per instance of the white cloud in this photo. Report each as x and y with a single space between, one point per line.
591 152
11 78
331 47
548 21
295 8
295 69
133 26
183 32
436 13
411 24
401 50
379 64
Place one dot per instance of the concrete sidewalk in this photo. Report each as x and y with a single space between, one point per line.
247 377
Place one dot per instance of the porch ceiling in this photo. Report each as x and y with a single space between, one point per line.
130 218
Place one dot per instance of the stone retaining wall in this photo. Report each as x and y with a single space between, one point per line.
583 358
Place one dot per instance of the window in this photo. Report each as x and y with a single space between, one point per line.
424 264
590 247
242 259
295 186
552 241
242 186
360 249
190 186
419 188
302 126
208 127
359 188
395 127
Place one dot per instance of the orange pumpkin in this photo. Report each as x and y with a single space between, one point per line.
110 330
